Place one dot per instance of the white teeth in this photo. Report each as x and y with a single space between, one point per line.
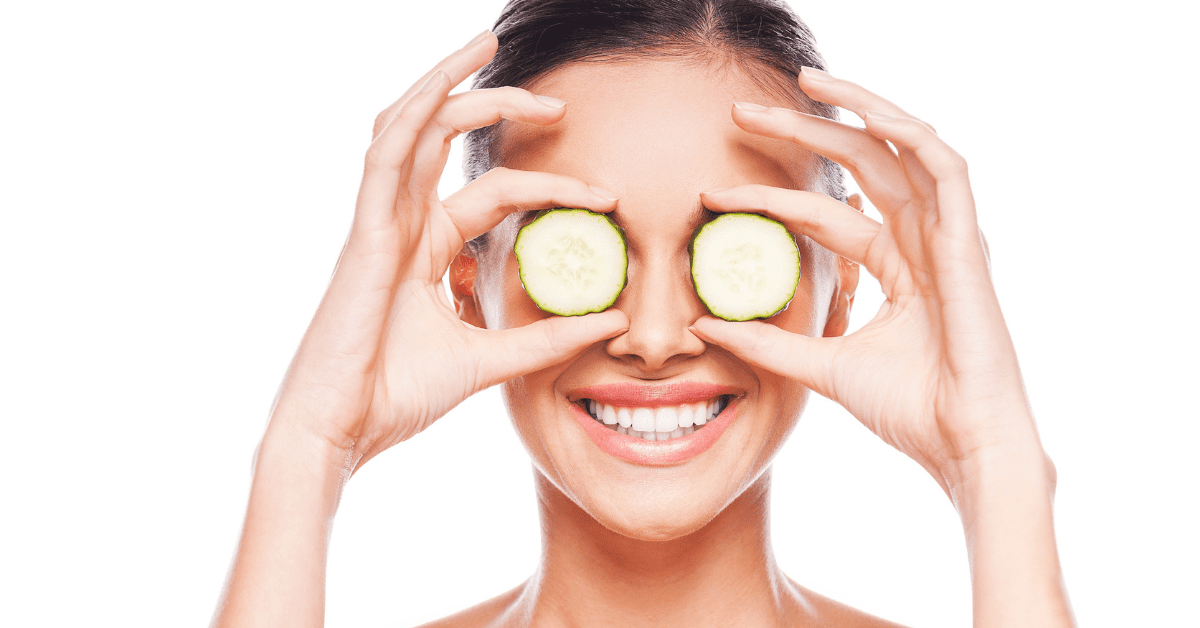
643 420
666 419
685 415
655 424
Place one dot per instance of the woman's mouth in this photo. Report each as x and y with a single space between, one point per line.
656 423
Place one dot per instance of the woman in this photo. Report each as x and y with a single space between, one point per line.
684 110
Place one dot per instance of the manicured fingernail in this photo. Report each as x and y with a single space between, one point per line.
598 191
433 81
877 115
815 74
749 106
480 37
551 101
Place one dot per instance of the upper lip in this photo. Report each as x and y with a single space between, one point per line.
646 395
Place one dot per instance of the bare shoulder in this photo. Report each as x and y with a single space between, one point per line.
488 614
824 611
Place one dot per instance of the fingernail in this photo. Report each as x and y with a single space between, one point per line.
598 191
877 115
714 191
480 37
433 81
815 74
551 101
749 106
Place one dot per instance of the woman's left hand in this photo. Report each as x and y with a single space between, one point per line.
934 374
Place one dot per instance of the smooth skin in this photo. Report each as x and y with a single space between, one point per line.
387 354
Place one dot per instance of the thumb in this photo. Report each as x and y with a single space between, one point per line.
802 358
514 352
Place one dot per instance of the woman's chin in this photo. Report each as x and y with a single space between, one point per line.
658 509
657 526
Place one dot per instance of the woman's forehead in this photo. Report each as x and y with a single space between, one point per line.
651 123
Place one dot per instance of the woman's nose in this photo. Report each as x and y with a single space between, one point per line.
661 304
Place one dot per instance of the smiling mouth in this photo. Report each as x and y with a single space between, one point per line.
657 423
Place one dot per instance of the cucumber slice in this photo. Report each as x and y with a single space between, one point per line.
744 266
572 261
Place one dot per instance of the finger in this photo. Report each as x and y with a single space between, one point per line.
870 160
390 151
484 202
848 95
458 66
830 223
514 352
956 204
802 358
472 110
853 97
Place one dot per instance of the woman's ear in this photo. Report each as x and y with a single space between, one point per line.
847 284
462 287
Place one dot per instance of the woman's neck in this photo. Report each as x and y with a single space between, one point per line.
722 574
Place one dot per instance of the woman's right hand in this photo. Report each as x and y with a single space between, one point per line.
386 354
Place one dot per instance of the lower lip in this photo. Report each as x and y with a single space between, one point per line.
660 453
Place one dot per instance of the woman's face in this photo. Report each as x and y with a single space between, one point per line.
656 133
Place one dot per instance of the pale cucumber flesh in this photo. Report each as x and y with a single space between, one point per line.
572 261
744 266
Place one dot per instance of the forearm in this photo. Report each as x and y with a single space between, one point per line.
278 575
1005 498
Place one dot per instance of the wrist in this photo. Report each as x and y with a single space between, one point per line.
317 435
305 460
279 569
1004 494
1015 468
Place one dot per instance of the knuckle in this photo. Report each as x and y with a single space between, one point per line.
550 337
373 159
766 200
382 120
496 181
812 219
855 159
509 92
759 341
494 175
758 193
407 114
956 165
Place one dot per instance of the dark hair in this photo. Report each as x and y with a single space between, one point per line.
763 37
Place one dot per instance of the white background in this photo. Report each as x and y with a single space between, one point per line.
176 181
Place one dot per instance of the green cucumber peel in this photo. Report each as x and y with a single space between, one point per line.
744 266
572 261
